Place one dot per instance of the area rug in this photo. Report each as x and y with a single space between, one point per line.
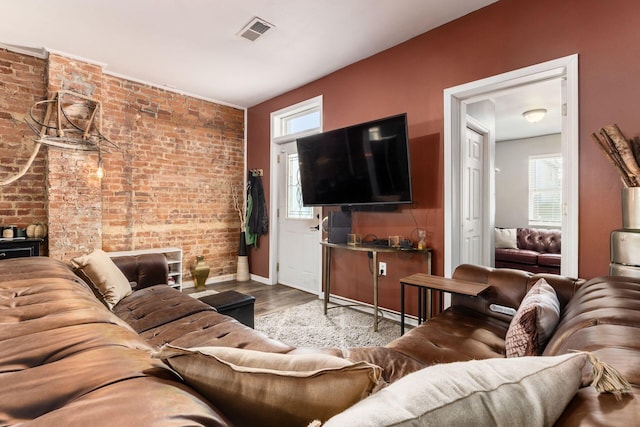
201 294
306 326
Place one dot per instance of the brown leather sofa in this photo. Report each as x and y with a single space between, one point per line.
538 251
601 315
65 359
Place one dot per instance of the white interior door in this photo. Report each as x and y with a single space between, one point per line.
472 200
299 251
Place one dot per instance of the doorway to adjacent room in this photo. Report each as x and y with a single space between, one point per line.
456 103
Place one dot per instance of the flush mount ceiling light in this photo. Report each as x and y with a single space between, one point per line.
534 116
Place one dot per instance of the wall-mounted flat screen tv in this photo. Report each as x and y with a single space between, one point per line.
364 164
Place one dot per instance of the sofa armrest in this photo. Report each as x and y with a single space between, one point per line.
508 287
144 270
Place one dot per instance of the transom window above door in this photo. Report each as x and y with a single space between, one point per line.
287 125
302 119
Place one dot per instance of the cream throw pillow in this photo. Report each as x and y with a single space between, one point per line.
534 322
506 238
528 391
104 275
269 389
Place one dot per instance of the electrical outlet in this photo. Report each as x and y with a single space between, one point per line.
382 268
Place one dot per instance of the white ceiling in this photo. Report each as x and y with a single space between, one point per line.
192 45
510 124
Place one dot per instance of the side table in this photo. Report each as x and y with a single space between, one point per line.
426 283
234 304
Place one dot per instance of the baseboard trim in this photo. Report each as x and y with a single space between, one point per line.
260 279
409 320
211 280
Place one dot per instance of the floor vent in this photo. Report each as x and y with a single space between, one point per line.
254 29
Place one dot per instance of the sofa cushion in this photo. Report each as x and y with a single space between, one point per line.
506 238
521 256
531 391
210 328
157 305
144 270
534 322
104 275
540 240
265 389
603 317
549 260
456 334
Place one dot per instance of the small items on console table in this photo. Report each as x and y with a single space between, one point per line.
426 283
19 247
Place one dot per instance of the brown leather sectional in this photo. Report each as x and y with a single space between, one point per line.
65 359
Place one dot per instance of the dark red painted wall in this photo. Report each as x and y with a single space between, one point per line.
411 78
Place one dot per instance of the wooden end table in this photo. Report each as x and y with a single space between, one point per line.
426 283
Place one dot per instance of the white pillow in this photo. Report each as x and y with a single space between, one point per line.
527 391
104 275
506 238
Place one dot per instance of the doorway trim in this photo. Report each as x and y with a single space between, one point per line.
278 137
455 102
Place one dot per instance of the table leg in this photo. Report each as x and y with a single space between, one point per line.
401 309
375 291
326 278
428 304
422 305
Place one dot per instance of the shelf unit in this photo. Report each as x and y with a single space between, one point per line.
19 247
174 259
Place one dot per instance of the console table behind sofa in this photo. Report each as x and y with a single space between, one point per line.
373 250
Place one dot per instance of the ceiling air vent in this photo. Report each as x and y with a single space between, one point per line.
254 29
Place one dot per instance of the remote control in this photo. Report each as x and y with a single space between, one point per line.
502 309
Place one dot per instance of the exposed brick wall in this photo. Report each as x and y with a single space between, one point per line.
21 85
168 185
74 200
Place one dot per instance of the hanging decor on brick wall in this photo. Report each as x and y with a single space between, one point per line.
69 121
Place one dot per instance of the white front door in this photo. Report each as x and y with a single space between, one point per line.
472 199
299 251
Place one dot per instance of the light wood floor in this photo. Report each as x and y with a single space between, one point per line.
269 298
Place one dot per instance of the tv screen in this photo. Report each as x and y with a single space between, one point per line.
364 164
